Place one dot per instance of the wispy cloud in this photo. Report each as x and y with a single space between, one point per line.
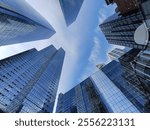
105 12
97 51
69 38
63 38
94 56
94 59
102 15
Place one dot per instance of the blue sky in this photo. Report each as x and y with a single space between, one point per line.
84 43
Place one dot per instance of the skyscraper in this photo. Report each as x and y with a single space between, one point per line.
106 91
129 74
120 30
70 9
115 72
29 81
130 27
141 63
116 53
141 66
136 70
83 98
19 22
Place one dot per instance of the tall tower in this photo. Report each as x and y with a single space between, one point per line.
115 72
141 65
83 98
106 91
120 30
130 27
19 22
29 81
70 9
116 53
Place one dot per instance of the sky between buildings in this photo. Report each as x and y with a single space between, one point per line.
84 43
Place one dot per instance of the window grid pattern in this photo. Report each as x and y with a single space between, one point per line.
18 25
32 78
120 30
114 100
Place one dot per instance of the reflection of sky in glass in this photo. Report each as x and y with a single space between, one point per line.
44 90
23 8
29 81
83 97
114 72
80 34
21 23
112 97
70 9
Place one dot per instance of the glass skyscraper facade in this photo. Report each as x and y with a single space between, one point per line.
111 91
115 73
19 22
111 96
136 68
129 27
70 9
29 81
119 30
129 74
83 98
141 65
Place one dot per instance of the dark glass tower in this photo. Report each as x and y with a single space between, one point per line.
141 66
129 74
19 22
111 92
81 99
129 26
29 81
131 29
115 73
120 30
136 65
70 9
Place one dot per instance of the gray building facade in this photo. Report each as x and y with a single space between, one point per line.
116 53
